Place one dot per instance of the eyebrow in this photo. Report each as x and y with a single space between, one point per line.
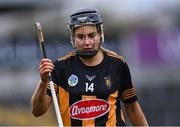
86 34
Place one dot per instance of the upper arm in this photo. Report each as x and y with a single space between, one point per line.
128 96
126 91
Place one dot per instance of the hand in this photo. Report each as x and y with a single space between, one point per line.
45 67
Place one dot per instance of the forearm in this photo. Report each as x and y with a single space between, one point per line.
138 119
135 114
40 100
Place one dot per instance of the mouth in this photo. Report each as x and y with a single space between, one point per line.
88 49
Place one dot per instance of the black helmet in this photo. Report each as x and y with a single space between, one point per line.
85 17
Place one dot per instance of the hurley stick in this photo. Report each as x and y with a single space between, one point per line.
42 46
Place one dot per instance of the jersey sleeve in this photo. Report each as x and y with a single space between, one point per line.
57 77
127 92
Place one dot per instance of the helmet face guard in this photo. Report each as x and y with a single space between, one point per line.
82 18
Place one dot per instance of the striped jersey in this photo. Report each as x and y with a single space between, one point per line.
91 95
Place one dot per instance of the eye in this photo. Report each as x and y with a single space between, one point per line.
92 35
80 36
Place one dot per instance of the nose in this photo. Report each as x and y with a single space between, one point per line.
86 41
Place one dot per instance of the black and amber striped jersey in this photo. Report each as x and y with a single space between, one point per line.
91 95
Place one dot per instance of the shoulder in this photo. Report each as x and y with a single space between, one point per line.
67 56
113 55
65 59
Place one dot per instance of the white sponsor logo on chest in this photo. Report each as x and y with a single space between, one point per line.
89 109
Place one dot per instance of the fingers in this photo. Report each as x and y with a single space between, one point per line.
46 66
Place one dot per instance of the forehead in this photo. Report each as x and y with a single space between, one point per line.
85 29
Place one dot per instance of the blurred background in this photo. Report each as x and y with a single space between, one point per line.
145 32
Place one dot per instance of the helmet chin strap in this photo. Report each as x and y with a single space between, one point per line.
86 54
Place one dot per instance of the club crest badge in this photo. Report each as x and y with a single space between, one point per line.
108 81
73 80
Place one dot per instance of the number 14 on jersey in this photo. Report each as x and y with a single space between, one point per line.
89 87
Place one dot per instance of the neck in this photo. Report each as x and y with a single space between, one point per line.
97 59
